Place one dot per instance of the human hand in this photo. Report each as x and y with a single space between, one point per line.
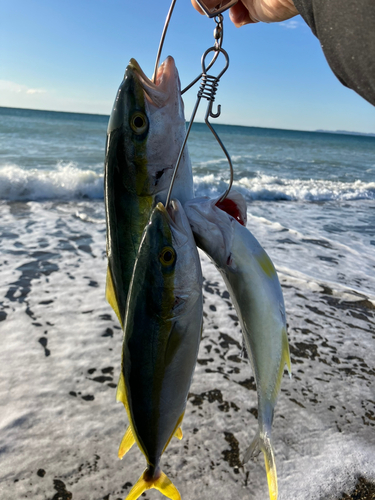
253 11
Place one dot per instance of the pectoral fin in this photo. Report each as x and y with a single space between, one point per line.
110 295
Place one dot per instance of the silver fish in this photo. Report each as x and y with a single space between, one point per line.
145 132
256 293
162 332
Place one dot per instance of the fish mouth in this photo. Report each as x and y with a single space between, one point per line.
177 220
167 82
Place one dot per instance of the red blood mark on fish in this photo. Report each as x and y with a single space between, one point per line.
231 208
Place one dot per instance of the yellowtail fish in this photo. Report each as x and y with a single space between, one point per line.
256 293
162 332
145 132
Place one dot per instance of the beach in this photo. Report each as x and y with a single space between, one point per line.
60 427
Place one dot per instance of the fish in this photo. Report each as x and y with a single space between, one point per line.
162 332
255 291
145 132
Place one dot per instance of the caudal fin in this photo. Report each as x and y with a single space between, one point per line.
262 443
161 483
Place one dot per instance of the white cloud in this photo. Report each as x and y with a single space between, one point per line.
8 86
36 91
290 24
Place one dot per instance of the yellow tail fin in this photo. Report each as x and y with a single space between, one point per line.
161 483
269 461
262 443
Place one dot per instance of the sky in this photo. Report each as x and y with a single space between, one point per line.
71 56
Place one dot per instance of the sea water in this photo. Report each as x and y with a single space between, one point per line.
319 187
311 205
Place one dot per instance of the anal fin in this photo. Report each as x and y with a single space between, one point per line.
110 295
127 442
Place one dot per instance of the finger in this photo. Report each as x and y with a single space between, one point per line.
210 4
196 7
240 16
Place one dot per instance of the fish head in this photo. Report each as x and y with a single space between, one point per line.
150 119
169 253
213 227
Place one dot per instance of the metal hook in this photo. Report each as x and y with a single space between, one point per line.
207 90
212 114
166 24
208 86
219 38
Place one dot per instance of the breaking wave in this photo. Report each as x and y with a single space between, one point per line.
271 188
67 182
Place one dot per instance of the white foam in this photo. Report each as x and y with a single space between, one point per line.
65 182
44 425
267 187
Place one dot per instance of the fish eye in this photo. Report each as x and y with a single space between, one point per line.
139 123
167 256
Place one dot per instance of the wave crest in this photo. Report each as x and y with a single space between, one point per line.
272 188
68 182
65 182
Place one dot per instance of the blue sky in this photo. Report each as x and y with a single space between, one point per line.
71 55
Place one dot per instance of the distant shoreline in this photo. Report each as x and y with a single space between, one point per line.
319 131
344 132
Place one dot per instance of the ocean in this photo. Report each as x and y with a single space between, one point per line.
311 205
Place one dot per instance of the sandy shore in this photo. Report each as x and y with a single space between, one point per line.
60 426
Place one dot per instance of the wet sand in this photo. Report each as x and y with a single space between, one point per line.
60 426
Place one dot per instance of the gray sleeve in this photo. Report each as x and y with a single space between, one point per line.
346 31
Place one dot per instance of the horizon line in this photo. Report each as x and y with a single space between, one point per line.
318 131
